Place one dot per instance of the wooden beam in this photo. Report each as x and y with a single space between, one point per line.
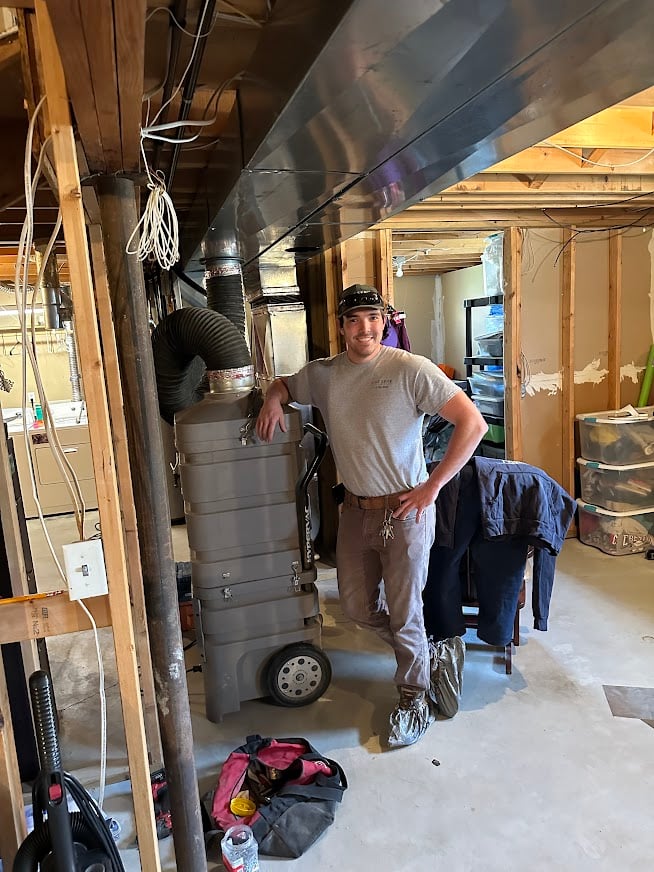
424 219
549 160
615 319
100 432
119 430
512 272
536 186
616 127
102 45
568 358
129 16
12 811
39 616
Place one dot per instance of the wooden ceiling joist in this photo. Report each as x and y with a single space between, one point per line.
102 47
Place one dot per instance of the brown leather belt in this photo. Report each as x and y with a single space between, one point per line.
391 501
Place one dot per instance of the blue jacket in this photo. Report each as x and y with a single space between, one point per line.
517 501
520 500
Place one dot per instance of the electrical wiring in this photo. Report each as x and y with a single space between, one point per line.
196 42
103 706
29 350
176 22
158 227
240 13
595 163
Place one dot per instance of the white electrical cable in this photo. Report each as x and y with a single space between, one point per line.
597 163
103 707
158 227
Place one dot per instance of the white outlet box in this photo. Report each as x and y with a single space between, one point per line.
84 562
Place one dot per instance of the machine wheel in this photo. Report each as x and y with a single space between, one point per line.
298 675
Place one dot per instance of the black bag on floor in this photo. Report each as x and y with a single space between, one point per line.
293 788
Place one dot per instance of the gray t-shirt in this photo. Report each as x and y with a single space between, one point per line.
373 413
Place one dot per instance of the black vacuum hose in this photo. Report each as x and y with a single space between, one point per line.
183 344
38 844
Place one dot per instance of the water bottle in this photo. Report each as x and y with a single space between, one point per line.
240 849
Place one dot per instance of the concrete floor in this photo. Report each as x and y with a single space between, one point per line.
535 772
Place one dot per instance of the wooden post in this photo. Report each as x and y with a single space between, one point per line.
126 285
512 268
70 198
12 812
335 281
384 264
615 318
568 359
119 429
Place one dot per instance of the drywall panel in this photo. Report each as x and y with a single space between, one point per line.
541 432
414 295
458 286
541 349
637 309
591 322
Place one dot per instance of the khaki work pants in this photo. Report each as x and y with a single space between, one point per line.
363 560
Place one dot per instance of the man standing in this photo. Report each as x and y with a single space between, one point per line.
373 400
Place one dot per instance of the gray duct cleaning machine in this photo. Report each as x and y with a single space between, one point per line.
248 520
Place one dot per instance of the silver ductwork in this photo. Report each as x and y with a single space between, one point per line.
279 339
385 104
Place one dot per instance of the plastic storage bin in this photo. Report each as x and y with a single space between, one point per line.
616 533
489 405
489 384
491 344
618 438
618 488
495 433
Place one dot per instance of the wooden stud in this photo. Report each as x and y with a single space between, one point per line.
119 430
615 319
384 264
335 281
100 432
512 269
568 358
13 829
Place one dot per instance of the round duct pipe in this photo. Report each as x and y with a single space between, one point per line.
223 279
185 343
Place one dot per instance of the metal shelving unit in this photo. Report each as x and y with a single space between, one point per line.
479 360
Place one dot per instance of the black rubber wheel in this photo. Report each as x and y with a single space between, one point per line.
298 675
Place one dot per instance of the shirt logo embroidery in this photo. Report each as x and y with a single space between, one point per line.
382 383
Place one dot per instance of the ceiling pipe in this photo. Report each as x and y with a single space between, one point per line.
206 15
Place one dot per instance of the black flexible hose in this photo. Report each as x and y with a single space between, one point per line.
38 844
183 344
225 295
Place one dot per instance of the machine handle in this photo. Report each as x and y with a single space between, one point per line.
304 509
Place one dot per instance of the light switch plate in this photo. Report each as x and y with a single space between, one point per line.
84 562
